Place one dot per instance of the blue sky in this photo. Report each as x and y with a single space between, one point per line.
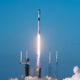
60 30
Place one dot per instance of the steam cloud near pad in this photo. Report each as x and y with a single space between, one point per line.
76 75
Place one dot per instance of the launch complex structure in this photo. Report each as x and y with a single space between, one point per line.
38 63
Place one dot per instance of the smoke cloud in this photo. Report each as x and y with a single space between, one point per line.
76 75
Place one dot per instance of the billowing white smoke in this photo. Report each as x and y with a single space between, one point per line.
76 75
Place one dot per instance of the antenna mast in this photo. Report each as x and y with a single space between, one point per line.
57 64
49 65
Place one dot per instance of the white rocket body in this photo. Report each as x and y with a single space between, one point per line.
38 47
39 21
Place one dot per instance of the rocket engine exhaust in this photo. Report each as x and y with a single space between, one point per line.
38 50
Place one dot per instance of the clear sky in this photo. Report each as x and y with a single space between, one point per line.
60 30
